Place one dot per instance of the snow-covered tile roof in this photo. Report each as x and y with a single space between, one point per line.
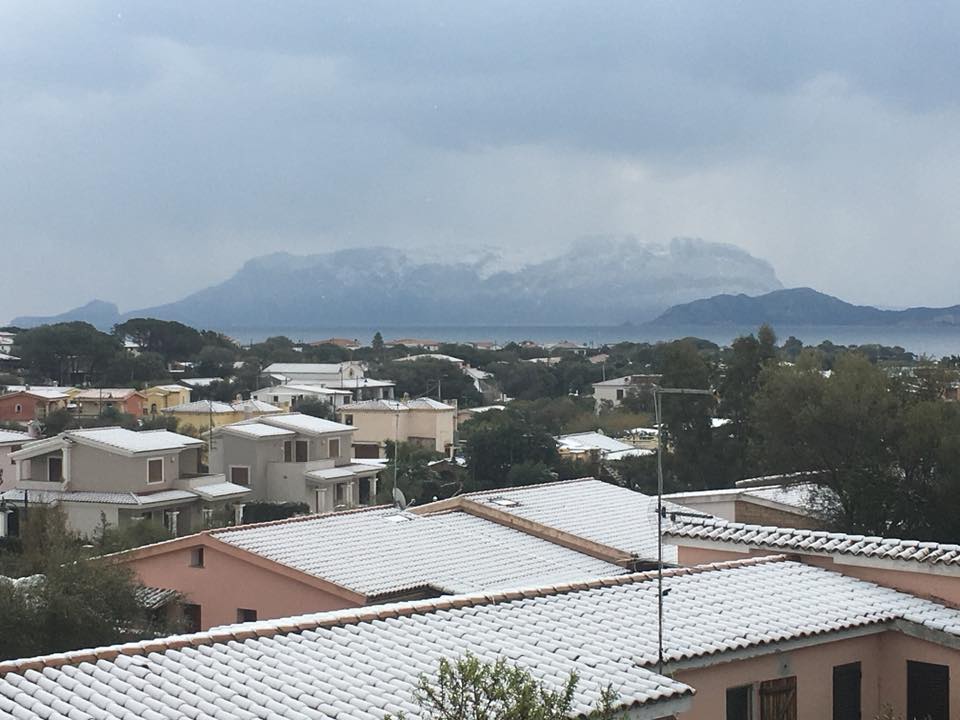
255 429
8 437
815 541
257 406
201 406
106 393
304 423
592 441
365 662
218 490
49 392
380 551
304 368
431 356
201 382
344 472
396 405
18 495
591 509
129 441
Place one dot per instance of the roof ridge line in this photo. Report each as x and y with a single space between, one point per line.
352 616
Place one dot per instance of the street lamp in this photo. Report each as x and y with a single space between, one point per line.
658 392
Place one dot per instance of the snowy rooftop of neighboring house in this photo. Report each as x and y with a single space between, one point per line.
597 511
396 405
5 356
382 551
365 382
477 374
135 442
257 406
299 422
484 408
18 495
588 441
254 429
366 662
204 407
50 392
305 388
14 437
795 497
169 388
816 542
628 380
106 393
201 382
305 368
431 356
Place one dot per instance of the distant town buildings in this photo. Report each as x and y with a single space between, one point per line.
611 393
424 422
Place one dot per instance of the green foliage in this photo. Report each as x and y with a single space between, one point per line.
415 477
111 539
529 472
430 377
67 353
470 689
255 512
496 441
171 340
69 601
215 361
316 408
159 422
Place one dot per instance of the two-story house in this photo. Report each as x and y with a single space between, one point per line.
294 458
91 402
119 476
318 373
25 403
424 422
611 393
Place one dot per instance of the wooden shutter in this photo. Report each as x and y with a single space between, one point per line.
778 699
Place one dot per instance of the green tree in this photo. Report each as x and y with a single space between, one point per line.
215 361
495 442
377 344
67 353
470 689
171 340
316 408
416 478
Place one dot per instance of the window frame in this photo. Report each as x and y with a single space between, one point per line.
197 557
230 470
330 442
305 444
163 471
59 459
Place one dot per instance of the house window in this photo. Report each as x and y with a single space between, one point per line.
619 394
55 469
240 474
740 703
334 447
245 615
348 419
192 617
18 408
155 470
196 557
778 699
928 691
288 451
846 692
276 398
340 494
301 451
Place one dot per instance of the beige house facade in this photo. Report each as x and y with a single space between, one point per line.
424 422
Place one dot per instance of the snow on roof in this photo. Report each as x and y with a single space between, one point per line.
364 382
484 408
13 437
254 429
201 382
431 356
129 441
344 471
50 392
628 380
366 662
304 423
214 491
18 495
593 441
303 387
255 406
396 405
304 368
382 551
105 393
607 514
200 406
816 542
5 356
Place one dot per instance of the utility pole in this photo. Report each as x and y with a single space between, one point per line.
658 392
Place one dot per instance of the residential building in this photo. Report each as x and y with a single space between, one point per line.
291 457
25 403
428 345
91 402
784 505
316 373
366 388
121 476
6 342
565 346
345 343
352 559
202 414
465 414
611 393
288 396
433 356
200 382
10 442
159 397
424 422
594 446
765 638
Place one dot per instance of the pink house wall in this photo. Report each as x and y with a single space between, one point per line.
883 663
226 583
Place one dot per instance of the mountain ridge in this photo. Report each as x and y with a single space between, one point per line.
600 281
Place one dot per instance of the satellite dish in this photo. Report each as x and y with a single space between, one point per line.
399 500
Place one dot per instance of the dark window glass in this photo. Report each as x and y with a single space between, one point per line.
846 692
738 702
928 691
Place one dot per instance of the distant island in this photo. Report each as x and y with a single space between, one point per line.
598 282
798 307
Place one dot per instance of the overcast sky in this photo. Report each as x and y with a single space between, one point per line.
149 149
